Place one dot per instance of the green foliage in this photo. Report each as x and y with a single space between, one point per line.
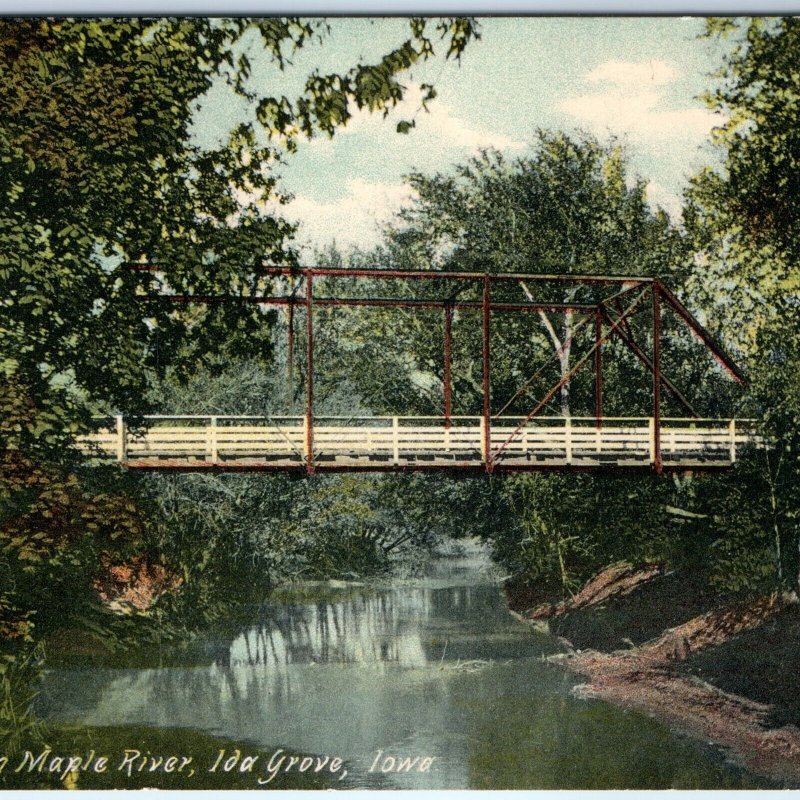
744 222
18 678
55 523
567 527
99 170
569 206
758 92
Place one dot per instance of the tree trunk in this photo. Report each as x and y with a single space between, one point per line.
562 347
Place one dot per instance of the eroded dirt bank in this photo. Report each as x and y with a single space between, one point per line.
661 643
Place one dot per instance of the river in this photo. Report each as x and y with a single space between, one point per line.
431 668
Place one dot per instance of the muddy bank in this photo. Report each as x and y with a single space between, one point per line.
662 643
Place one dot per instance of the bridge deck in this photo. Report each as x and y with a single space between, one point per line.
281 444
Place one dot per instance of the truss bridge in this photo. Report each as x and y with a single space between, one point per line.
494 439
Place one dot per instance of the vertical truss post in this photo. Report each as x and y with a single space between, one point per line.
309 417
290 356
448 364
487 428
598 368
657 464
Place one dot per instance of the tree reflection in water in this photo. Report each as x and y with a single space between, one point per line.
378 670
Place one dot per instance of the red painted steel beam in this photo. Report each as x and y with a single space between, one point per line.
551 393
456 467
487 422
448 363
720 356
367 302
419 274
598 368
657 378
290 356
413 274
310 375
630 343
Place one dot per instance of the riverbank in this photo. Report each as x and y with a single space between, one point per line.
663 644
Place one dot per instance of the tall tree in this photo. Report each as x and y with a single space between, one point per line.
99 169
745 222
570 207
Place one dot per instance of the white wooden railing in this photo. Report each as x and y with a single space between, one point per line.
221 440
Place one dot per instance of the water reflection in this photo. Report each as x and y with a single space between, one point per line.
361 630
385 670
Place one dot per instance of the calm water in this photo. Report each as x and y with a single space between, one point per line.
434 668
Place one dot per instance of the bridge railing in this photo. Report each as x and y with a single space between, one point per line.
409 440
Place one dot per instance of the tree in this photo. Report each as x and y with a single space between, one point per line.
99 169
744 221
568 207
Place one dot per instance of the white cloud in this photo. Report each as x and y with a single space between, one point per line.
638 114
354 220
635 74
631 105
659 196
436 127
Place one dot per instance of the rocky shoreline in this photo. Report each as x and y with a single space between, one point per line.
683 653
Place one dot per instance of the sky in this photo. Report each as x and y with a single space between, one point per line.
634 78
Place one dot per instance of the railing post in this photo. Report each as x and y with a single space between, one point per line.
122 439
211 449
395 440
652 439
568 438
732 432
484 442
306 440
290 354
